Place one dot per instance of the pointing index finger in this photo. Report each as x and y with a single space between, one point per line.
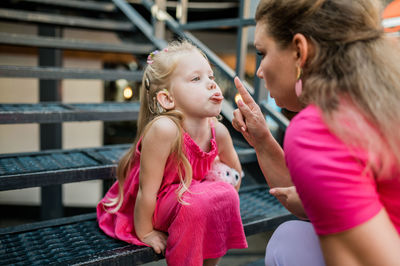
247 99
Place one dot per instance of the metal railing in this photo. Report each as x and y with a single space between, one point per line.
181 28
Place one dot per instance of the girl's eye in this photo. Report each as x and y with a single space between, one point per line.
196 79
211 77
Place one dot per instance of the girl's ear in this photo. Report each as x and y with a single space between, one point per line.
165 100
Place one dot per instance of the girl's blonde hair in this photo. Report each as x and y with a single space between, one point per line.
156 77
354 76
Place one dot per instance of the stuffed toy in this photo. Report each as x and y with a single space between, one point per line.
221 172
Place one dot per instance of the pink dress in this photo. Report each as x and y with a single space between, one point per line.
206 228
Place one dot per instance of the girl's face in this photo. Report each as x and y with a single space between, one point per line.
277 68
193 87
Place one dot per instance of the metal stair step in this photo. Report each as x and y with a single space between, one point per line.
51 167
73 44
52 112
68 73
86 5
58 166
78 240
64 20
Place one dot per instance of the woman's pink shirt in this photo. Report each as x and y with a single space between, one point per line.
337 193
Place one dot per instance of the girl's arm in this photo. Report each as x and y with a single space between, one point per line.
226 152
155 149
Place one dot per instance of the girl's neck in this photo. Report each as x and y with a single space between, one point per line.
199 130
196 127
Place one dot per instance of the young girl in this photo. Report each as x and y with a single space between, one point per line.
161 198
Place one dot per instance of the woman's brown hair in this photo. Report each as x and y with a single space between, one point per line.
354 75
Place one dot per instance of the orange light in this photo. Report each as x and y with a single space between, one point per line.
237 97
128 93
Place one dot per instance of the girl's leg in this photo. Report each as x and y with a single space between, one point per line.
294 243
211 262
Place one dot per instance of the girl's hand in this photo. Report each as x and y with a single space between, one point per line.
290 199
248 119
157 240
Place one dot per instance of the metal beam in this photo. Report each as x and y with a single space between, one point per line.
282 121
55 73
88 5
218 23
140 22
50 134
53 112
72 44
63 20
242 36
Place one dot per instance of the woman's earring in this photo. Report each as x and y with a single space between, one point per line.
299 83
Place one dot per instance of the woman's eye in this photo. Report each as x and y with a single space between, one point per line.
211 77
260 54
196 79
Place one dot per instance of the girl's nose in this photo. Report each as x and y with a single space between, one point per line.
212 85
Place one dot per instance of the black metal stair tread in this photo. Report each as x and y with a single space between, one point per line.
73 44
78 240
87 5
52 112
58 166
51 167
68 73
64 20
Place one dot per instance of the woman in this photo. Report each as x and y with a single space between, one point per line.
329 60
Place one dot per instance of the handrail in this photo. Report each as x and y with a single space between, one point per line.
218 23
181 31
140 22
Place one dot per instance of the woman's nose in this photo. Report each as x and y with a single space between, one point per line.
259 72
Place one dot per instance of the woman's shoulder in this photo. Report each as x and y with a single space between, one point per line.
308 127
309 120
311 113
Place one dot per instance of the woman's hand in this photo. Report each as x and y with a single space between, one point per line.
290 199
157 240
248 119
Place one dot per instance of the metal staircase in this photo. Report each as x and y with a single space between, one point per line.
77 239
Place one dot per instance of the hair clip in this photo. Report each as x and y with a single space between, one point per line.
150 58
147 83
